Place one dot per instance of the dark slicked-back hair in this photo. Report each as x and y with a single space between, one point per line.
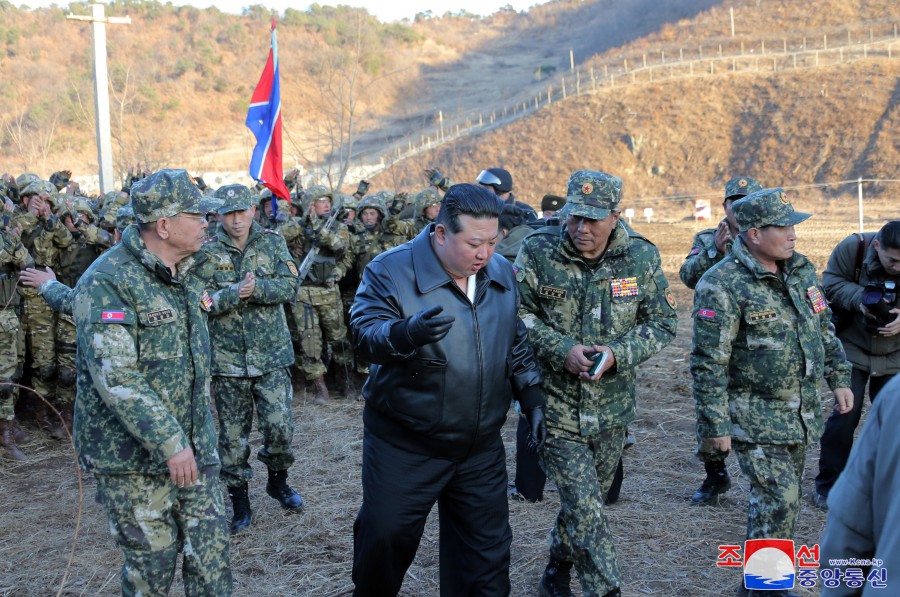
889 236
470 200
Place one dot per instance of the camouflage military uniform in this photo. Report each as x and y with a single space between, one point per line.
621 301
13 257
88 241
761 342
143 397
410 228
703 255
45 238
318 311
251 349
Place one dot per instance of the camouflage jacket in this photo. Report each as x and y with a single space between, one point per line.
14 257
45 239
760 345
405 228
866 348
58 296
250 336
142 362
623 301
703 255
87 243
367 245
334 258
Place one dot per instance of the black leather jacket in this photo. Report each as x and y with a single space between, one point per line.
448 399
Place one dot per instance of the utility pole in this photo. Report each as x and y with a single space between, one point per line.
98 21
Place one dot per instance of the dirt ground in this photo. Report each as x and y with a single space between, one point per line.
666 545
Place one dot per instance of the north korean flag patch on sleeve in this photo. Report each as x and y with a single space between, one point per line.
706 314
112 316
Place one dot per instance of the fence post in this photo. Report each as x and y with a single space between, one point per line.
784 40
626 64
825 42
577 83
763 46
549 94
644 56
859 183
849 40
564 88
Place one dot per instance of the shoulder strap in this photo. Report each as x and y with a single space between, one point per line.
861 246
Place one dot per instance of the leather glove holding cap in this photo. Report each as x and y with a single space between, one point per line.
537 427
422 328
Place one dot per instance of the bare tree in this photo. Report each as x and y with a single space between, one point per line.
32 134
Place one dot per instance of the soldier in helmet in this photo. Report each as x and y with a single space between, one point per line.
426 207
13 257
46 238
710 247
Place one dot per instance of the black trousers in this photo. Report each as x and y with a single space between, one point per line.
530 477
837 440
400 489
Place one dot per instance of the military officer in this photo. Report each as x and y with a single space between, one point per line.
250 275
762 340
709 247
591 289
143 425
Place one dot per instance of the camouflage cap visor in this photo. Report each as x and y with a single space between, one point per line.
766 208
164 194
741 187
589 208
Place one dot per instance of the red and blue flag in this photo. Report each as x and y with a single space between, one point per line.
264 121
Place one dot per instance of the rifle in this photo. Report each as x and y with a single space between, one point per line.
310 257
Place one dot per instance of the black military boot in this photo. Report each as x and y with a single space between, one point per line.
555 582
278 488
240 502
716 483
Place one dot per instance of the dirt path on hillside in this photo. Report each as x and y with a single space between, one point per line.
501 71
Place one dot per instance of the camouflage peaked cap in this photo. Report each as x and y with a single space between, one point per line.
425 199
234 197
164 194
741 187
768 207
210 204
124 217
372 202
592 195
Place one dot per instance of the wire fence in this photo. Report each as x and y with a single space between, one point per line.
875 41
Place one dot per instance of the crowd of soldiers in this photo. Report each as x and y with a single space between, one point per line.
278 280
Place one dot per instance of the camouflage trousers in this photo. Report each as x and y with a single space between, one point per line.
319 316
706 452
583 470
39 324
775 474
153 520
272 395
65 359
11 343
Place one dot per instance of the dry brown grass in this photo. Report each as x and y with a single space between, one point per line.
666 545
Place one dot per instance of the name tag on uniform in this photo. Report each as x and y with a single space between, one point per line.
625 287
761 316
225 267
161 316
557 294
816 298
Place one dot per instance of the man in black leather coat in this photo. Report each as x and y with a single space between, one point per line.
437 318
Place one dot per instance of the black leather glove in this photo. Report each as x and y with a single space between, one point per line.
397 204
421 329
435 178
362 188
537 427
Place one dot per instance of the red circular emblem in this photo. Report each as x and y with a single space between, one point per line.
587 188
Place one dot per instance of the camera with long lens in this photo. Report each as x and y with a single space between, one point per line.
879 298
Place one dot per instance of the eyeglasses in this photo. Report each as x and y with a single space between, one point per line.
196 217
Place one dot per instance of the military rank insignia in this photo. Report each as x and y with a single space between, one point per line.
205 301
625 287
706 314
816 298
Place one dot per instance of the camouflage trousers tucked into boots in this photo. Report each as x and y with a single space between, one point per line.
583 469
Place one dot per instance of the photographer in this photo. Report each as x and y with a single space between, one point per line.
860 281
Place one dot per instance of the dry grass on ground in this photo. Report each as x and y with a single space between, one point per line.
666 545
